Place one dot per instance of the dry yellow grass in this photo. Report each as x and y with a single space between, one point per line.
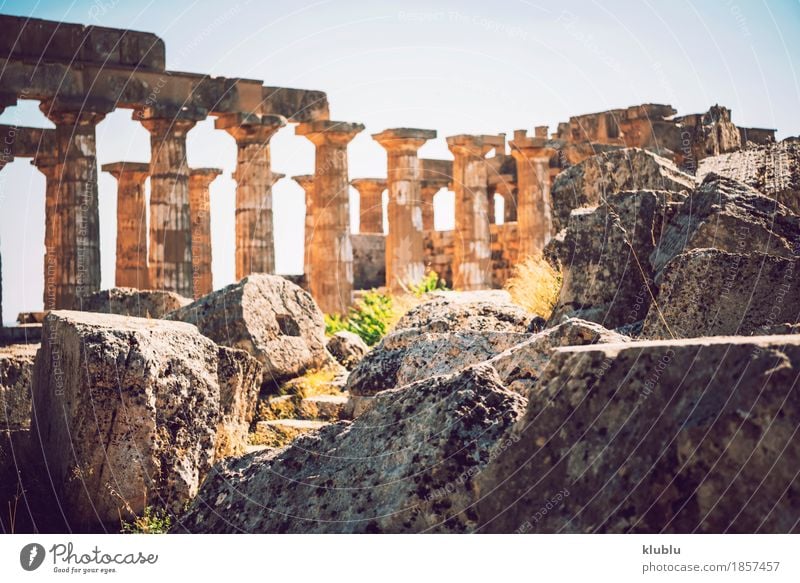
535 286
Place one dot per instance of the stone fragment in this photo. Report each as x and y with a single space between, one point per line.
585 184
695 435
708 292
16 369
408 464
141 303
269 317
347 348
728 215
239 376
605 257
126 411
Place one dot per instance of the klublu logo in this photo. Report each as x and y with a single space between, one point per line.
31 556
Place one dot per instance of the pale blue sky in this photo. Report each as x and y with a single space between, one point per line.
457 67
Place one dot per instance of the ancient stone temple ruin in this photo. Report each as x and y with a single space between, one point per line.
84 73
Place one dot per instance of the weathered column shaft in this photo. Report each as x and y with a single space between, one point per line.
405 245
509 207
331 250
47 164
131 263
427 194
200 180
472 254
306 182
170 254
370 192
533 211
73 260
255 234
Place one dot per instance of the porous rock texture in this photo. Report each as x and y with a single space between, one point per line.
268 316
694 435
438 337
16 370
708 292
605 257
126 301
127 411
772 169
347 348
408 464
585 184
728 215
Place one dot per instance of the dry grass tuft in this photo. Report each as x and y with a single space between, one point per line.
535 286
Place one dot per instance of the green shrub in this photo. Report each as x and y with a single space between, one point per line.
153 521
431 282
370 318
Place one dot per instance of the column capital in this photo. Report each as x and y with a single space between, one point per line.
135 171
475 145
369 184
306 182
203 176
275 177
538 147
326 132
403 139
250 128
164 126
62 112
502 184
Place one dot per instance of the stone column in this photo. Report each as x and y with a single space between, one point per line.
131 264
370 192
472 255
405 245
255 238
73 261
534 218
428 190
46 162
306 182
200 180
331 251
170 254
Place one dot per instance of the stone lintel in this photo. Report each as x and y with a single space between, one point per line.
296 105
538 146
329 132
498 179
433 169
171 112
26 142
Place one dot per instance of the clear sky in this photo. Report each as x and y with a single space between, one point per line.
457 67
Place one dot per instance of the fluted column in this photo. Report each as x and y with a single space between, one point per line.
370 191
74 257
255 238
405 245
534 218
306 182
46 162
428 190
331 251
200 180
170 253
472 252
131 263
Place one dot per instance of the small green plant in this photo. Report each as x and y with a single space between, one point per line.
370 318
431 282
152 521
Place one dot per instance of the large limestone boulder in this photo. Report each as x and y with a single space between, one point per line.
772 169
585 184
694 435
708 292
728 215
16 371
239 376
269 317
607 277
128 412
127 301
408 464
440 336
